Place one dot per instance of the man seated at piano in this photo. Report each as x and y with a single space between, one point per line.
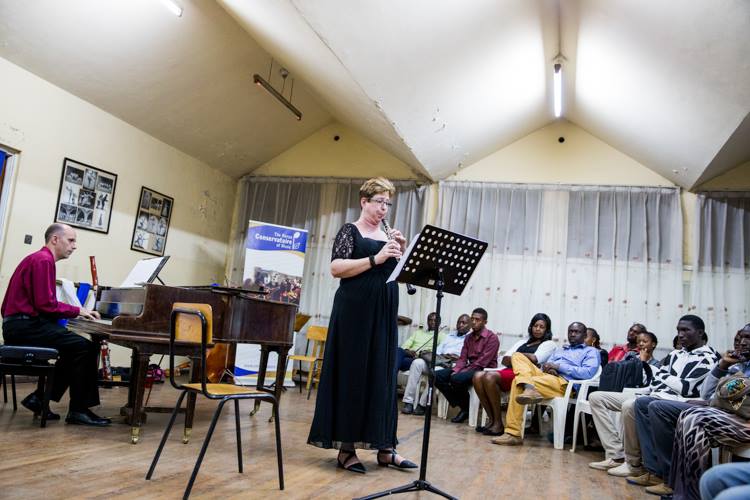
31 312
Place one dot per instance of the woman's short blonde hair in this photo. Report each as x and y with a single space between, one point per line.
376 185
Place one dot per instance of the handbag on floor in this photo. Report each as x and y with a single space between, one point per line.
732 395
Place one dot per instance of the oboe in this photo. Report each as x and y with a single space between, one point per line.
387 228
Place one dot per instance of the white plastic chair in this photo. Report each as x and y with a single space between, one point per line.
559 407
442 404
583 406
723 454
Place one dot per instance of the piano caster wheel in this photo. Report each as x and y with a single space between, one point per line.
135 435
186 435
255 408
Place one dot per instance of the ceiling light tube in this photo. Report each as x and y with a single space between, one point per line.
263 83
557 89
173 7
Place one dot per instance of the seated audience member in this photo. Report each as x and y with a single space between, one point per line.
575 361
593 340
679 378
675 346
726 482
647 343
479 352
701 428
656 415
619 351
538 347
449 350
420 340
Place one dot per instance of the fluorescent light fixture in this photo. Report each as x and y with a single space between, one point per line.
173 7
557 88
261 82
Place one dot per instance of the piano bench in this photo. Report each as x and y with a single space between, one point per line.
32 361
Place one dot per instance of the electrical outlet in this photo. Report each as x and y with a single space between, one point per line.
27 239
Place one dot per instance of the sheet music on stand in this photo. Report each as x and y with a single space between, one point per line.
144 271
435 248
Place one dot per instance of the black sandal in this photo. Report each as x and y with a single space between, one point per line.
404 464
357 467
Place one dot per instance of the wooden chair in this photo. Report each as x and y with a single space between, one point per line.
317 335
33 361
192 323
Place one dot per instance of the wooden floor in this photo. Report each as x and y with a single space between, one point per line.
65 461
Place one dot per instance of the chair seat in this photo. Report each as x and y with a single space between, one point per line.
224 389
300 357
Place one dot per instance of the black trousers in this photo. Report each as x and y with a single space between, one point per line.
77 366
455 387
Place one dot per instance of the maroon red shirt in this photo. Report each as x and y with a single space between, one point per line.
618 352
31 290
478 353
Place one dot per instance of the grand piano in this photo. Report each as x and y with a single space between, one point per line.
140 321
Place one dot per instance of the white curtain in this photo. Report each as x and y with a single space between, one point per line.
322 206
720 283
606 256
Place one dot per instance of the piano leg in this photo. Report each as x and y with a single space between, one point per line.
137 386
195 377
280 375
262 367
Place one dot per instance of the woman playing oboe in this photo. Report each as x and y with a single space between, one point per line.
356 402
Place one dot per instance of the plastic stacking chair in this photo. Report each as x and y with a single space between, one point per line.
583 407
317 335
32 361
191 323
559 407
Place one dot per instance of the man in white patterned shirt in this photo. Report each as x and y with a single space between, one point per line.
678 379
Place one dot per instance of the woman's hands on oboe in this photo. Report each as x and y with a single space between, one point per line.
391 248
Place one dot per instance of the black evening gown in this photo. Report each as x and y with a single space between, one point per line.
356 400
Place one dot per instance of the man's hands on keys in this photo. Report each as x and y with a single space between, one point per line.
89 314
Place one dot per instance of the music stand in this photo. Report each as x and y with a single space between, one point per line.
442 261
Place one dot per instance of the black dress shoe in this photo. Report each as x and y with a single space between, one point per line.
391 460
357 466
419 410
408 409
87 417
34 404
462 417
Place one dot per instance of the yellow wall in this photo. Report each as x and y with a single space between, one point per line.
736 179
581 159
321 156
46 124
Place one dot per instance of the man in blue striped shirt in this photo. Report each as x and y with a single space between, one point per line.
575 361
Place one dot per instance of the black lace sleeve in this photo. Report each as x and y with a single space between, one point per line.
343 245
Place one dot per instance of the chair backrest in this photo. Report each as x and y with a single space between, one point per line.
188 326
319 333
190 323
318 336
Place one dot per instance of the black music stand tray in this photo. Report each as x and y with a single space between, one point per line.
443 261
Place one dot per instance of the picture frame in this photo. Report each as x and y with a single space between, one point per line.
85 197
152 220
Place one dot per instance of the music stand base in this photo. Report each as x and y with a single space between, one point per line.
418 485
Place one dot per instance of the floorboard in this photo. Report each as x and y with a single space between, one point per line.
65 461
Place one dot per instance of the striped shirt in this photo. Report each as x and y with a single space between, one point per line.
683 372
